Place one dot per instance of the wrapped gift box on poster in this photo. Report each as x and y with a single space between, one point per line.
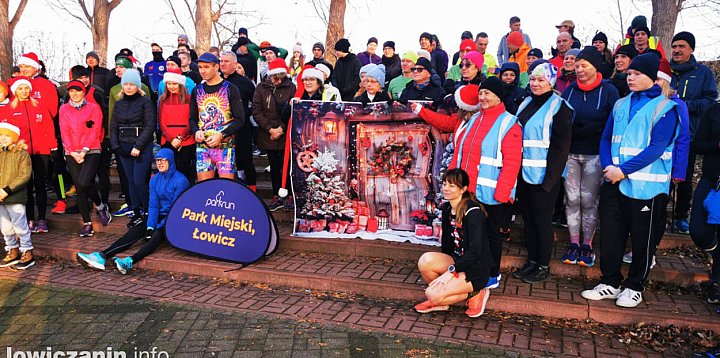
334 227
318 225
352 228
372 225
303 225
423 230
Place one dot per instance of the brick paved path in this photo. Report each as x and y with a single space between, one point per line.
263 318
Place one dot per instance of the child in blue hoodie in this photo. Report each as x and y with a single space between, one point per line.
165 187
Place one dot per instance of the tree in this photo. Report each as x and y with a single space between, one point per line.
333 16
327 198
7 29
98 23
203 23
664 18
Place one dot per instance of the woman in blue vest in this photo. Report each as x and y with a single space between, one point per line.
636 153
546 120
592 98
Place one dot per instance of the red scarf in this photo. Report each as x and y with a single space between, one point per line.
592 86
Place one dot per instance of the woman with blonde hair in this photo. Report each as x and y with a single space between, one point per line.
173 120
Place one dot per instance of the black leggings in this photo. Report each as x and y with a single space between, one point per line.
536 206
244 156
276 165
103 171
84 177
135 234
38 181
185 160
703 234
498 215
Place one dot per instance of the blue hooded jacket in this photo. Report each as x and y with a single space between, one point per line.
165 188
695 84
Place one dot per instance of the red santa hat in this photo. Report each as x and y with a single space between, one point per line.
19 81
174 75
30 59
467 97
277 66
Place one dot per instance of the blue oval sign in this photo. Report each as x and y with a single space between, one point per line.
222 219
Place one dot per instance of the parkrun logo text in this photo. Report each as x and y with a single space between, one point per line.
49 352
219 203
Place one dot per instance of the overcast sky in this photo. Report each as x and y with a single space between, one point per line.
136 23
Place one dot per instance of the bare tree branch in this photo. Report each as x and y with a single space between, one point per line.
62 6
18 14
85 11
113 4
190 10
175 15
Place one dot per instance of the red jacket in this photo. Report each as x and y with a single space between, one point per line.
443 122
35 123
74 129
511 148
44 92
174 119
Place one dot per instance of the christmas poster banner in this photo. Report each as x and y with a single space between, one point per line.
371 172
222 219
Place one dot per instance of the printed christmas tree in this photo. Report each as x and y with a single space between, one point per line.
326 191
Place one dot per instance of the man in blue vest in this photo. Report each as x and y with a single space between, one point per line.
695 84
636 154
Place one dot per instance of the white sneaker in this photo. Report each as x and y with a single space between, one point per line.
629 298
600 292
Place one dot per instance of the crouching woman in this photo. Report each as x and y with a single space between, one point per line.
461 271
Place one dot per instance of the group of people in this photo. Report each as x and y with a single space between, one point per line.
600 136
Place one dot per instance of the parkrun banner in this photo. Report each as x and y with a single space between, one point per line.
222 219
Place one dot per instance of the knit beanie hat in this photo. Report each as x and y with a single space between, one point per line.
10 130
94 55
684 35
314 73
627 50
29 59
410 55
476 58
647 64
573 52
494 85
124 62
175 76
536 52
426 35
277 66
390 44
174 59
590 54
324 69
184 37
600 36
365 69
515 38
466 97
665 71
19 81
372 39
467 45
424 54
131 76
638 21
424 62
298 48
320 46
242 31
644 29
546 70
76 85
343 45
78 71
378 73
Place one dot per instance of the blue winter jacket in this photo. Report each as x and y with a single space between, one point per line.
154 70
695 84
165 188
592 110
682 143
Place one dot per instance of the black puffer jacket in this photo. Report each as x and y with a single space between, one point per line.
133 111
346 76
392 68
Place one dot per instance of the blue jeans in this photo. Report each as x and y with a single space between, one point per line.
137 172
13 224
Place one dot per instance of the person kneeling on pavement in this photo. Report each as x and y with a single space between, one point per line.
15 169
165 187
462 270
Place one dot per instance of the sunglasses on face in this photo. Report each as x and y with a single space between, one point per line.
417 69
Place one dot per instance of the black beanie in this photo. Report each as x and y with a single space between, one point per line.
600 36
690 38
243 41
426 35
590 54
320 46
424 62
175 59
494 85
627 50
78 71
343 45
644 29
390 44
647 63
242 31
536 52
94 55
372 39
638 21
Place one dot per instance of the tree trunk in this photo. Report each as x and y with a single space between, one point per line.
7 29
336 27
664 18
203 25
101 25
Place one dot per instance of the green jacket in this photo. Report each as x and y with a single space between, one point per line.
15 169
254 50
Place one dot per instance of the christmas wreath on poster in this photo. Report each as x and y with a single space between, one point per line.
393 159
